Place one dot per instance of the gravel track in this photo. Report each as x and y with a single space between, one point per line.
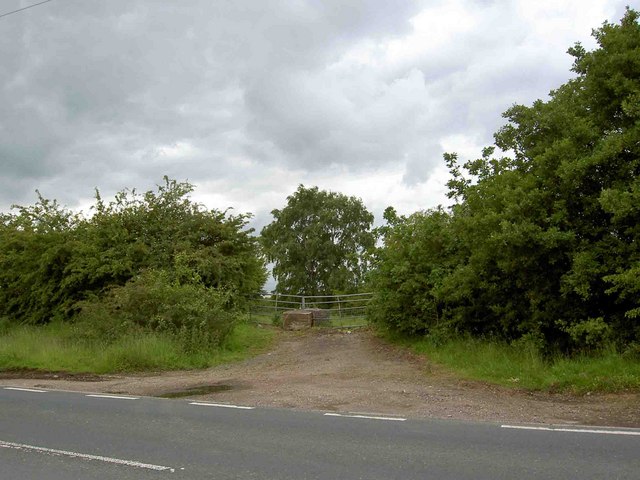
354 371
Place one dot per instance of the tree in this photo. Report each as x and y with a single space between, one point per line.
318 243
544 241
417 254
52 260
557 239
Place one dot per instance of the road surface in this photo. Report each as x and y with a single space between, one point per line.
71 435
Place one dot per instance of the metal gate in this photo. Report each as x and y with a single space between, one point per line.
339 311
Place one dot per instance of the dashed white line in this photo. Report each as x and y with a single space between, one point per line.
118 397
223 405
85 456
370 417
19 389
573 430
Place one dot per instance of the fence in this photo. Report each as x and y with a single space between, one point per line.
339 310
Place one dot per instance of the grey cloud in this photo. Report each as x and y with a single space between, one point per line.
100 93
106 79
315 121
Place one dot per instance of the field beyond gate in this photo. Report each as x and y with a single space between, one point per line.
342 311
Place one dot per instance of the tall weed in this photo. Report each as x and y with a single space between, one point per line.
58 347
523 365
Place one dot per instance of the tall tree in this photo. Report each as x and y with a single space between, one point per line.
544 241
318 243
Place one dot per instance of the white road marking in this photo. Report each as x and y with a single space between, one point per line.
120 397
223 405
573 430
25 389
53 451
371 417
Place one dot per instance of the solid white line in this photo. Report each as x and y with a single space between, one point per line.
371 417
573 430
25 389
223 405
112 396
118 461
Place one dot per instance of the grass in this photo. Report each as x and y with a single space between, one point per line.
55 347
523 367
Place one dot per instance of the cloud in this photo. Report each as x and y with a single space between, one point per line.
248 99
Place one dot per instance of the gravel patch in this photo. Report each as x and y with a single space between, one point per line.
353 371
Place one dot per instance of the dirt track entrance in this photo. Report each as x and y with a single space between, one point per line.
356 372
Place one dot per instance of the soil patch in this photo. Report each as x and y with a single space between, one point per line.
197 390
24 373
355 371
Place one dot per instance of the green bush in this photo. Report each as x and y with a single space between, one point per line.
197 316
5 325
51 259
544 241
409 271
592 333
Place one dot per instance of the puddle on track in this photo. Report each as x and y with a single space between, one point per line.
197 390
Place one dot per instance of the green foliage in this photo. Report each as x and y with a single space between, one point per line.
590 333
521 365
35 246
52 259
544 241
198 317
318 243
410 269
5 325
67 347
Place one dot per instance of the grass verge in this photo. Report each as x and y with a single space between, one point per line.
522 366
56 347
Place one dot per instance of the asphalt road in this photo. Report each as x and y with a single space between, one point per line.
69 435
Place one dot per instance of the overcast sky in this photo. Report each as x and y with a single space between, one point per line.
249 98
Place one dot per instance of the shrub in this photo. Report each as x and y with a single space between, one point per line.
51 258
545 228
592 333
199 317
